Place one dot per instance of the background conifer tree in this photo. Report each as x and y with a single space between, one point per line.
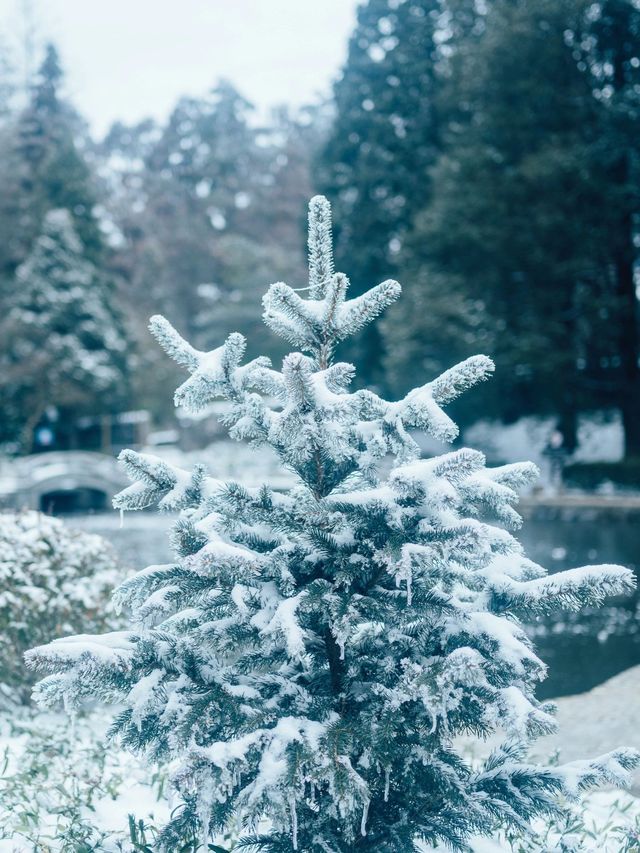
64 342
51 146
208 208
309 657
515 220
375 163
612 51
524 245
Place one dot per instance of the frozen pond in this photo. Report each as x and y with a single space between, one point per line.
582 650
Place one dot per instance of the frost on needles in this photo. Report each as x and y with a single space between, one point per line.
308 659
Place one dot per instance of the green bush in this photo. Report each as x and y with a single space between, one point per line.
53 580
592 475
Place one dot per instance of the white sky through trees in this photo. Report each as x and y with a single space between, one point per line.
127 59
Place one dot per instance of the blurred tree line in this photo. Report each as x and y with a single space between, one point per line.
486 153
483 152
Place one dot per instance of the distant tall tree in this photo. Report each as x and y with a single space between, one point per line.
515 221
438 321
177 189
208 146
292 139
7 82
53 169
613 54
386 136
63 343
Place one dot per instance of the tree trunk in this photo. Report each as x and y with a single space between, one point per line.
624 258
628 324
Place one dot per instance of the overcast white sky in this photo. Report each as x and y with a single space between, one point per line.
128 59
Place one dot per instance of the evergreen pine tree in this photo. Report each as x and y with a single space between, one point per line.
516 220
309 657
612 49
64 344
385 138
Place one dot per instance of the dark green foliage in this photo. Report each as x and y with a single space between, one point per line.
612 53
375 164
590 475
515 221
495 144
185 538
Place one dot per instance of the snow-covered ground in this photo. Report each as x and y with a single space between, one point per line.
63 789
589 724
61 781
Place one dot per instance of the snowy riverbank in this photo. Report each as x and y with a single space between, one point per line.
590 723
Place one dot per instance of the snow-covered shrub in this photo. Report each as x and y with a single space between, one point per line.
62 790
52 580
309 657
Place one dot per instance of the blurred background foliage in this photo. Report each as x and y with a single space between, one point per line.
483 152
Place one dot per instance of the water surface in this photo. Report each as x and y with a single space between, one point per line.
581 650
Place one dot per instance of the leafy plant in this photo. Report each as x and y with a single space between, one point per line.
52 579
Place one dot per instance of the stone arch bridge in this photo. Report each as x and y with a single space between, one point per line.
59 482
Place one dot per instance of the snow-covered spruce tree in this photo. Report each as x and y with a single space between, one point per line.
308 659
64 345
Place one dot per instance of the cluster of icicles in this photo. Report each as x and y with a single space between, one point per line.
313 805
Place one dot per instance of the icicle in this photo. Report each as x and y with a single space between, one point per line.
341 647
205 799
121 518
204 820
405 573
434 723
73 713
387 775
294 823
365 815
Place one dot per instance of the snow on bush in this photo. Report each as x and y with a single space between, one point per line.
53 580
62 790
